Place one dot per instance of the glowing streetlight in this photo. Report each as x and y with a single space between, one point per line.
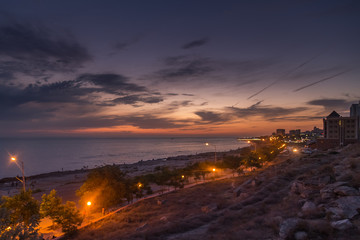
139 185
295 150
182 176
208 144
214 170
88 203
22 171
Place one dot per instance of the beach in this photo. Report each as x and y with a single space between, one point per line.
67 182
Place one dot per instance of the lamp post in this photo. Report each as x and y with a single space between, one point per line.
207 144
22 171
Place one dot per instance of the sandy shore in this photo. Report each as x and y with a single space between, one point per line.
67 182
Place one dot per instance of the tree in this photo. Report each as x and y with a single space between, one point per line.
106 184
69 217
19 217
66 215
50 205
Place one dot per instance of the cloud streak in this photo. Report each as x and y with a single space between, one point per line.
321 80
195 43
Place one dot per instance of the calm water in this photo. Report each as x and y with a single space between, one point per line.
46 155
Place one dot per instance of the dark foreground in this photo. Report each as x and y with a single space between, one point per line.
304 197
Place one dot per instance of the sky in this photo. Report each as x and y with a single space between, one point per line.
175 68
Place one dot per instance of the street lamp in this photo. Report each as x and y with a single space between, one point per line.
208 144
22 171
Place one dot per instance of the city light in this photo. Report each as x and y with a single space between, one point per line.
214 169
88 203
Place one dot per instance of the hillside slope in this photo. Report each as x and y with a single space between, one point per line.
305 197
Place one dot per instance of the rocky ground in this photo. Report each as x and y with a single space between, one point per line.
296 197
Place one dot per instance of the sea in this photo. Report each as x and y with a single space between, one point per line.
43 155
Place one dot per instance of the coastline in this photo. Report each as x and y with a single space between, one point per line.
67 182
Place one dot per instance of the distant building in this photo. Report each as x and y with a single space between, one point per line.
340 131
355 113
295 133
280 132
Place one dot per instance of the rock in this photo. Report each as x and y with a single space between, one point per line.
297 187
328 191
243 195
345 207
308 207
253 183
346 191
209 208
300 235
287 227
141 227
237 191
324 180
342 224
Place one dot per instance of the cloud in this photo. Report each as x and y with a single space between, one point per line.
321 80
83 92
265 111
182 67
35 50
331 104
212 117
134 99
149 121
111 83
195 43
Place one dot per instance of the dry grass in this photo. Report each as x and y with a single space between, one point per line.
256 215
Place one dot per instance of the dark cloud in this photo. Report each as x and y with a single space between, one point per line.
212 117
134 99
175 105
265 111
182 67
331 104
35 50
79 92
195 43
112 83
152 122
295 119
188 94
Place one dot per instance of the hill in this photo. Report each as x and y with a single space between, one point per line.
300 197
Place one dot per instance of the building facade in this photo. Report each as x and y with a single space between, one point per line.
340 131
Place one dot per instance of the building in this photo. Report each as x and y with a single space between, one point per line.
340 131
355 112
280 132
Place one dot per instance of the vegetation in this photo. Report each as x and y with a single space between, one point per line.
65 215
19 217
106 184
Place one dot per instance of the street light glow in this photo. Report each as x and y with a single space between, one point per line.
214 169
88 203
13 158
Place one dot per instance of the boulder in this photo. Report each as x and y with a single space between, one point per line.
346 191
345 207
297 187
287 227
300 235
141 227
342 224
308 207
237 191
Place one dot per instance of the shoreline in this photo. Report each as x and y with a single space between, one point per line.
124 166
67 182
